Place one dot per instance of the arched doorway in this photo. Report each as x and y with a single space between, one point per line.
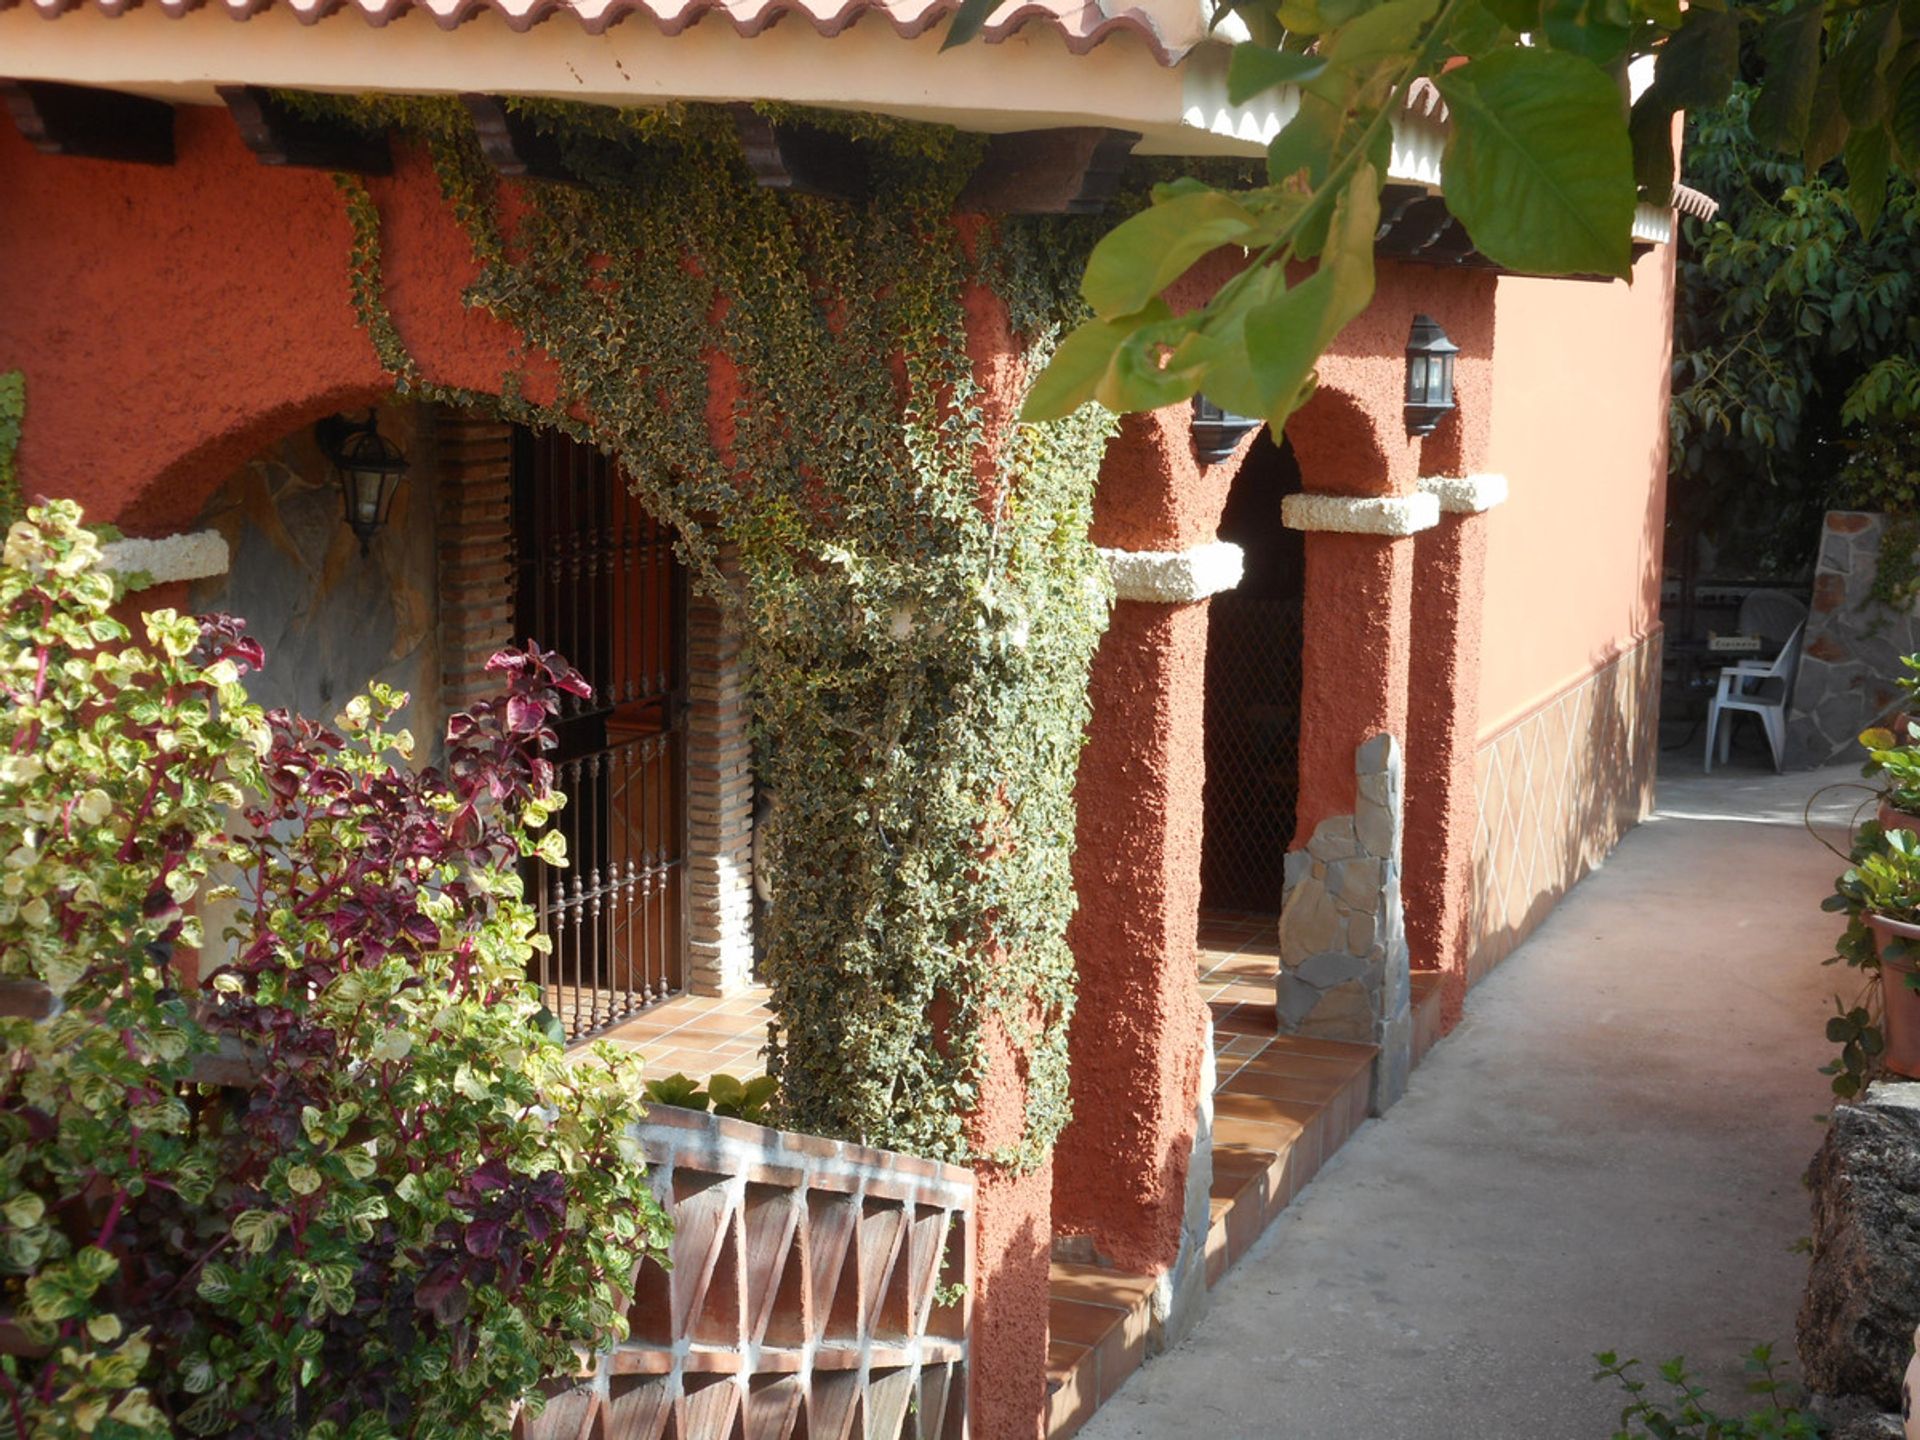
1253 693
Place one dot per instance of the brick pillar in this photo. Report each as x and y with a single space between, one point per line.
719 799
473 500
1444 712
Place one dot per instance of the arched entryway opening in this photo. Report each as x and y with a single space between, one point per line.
498 535
1253 693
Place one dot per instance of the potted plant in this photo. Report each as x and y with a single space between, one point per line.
1895 763
1881 891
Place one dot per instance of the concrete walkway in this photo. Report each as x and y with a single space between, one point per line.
1605 1154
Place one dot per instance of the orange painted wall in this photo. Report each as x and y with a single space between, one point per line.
1580 376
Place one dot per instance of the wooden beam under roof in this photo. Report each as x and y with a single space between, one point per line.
1069 171
512 144
802 159
277 134
96 124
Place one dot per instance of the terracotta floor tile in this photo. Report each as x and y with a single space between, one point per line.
1322 1090
1098 1285
1253 1135
1079 1323
1265 1110
1337 1048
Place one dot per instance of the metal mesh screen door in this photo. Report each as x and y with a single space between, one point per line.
1253 694
598 582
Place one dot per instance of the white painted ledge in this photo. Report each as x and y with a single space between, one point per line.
1393 516
1174 577
1465 494
171 557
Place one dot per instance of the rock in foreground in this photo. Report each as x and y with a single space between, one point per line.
1863 1291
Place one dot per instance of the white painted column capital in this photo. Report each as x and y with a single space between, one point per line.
1391 516
1465 494
1174 577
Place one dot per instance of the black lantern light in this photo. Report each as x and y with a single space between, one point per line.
1429 376
369 466
1217 433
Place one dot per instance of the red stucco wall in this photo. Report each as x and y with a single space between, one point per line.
1580 430
174 321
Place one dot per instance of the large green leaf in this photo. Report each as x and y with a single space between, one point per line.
1869 158
1286 336
1120 363
1386 32
1539 168
1791 47
1255 69
1905 120
1861 66
1826 121
1142 257
967 21
1700 61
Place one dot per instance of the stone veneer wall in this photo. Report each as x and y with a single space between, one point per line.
332 620
1557 789
1343 949
1852 646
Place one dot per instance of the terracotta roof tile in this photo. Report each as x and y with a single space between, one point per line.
1081 24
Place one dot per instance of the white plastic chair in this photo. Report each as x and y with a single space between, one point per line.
1762 688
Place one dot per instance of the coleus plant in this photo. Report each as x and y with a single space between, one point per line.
412 1209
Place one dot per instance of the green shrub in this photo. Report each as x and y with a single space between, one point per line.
404 1209
1684 1415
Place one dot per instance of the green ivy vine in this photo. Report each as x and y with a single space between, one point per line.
916 589
13 412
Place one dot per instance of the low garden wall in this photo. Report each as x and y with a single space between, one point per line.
1852 647
817 1288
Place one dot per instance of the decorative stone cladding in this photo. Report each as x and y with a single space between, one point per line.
1852 646
1557 790
474 522
801 1298
1343 949
1180 1294
475 502
719 800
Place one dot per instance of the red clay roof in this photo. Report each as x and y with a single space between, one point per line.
1081 24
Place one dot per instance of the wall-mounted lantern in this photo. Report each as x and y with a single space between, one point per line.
369 467
1217 433
1429 376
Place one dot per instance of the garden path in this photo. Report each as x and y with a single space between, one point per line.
1604 1154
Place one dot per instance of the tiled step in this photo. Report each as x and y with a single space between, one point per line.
1277 1116
1097 1337
1277 1119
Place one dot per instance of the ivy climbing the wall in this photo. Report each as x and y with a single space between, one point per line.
916 590
13 412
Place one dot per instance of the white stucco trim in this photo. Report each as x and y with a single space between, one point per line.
1465 494
1653 223
1174 577
1389 515
171 557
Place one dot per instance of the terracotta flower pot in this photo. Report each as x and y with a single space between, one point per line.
1892 819
1899 1002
